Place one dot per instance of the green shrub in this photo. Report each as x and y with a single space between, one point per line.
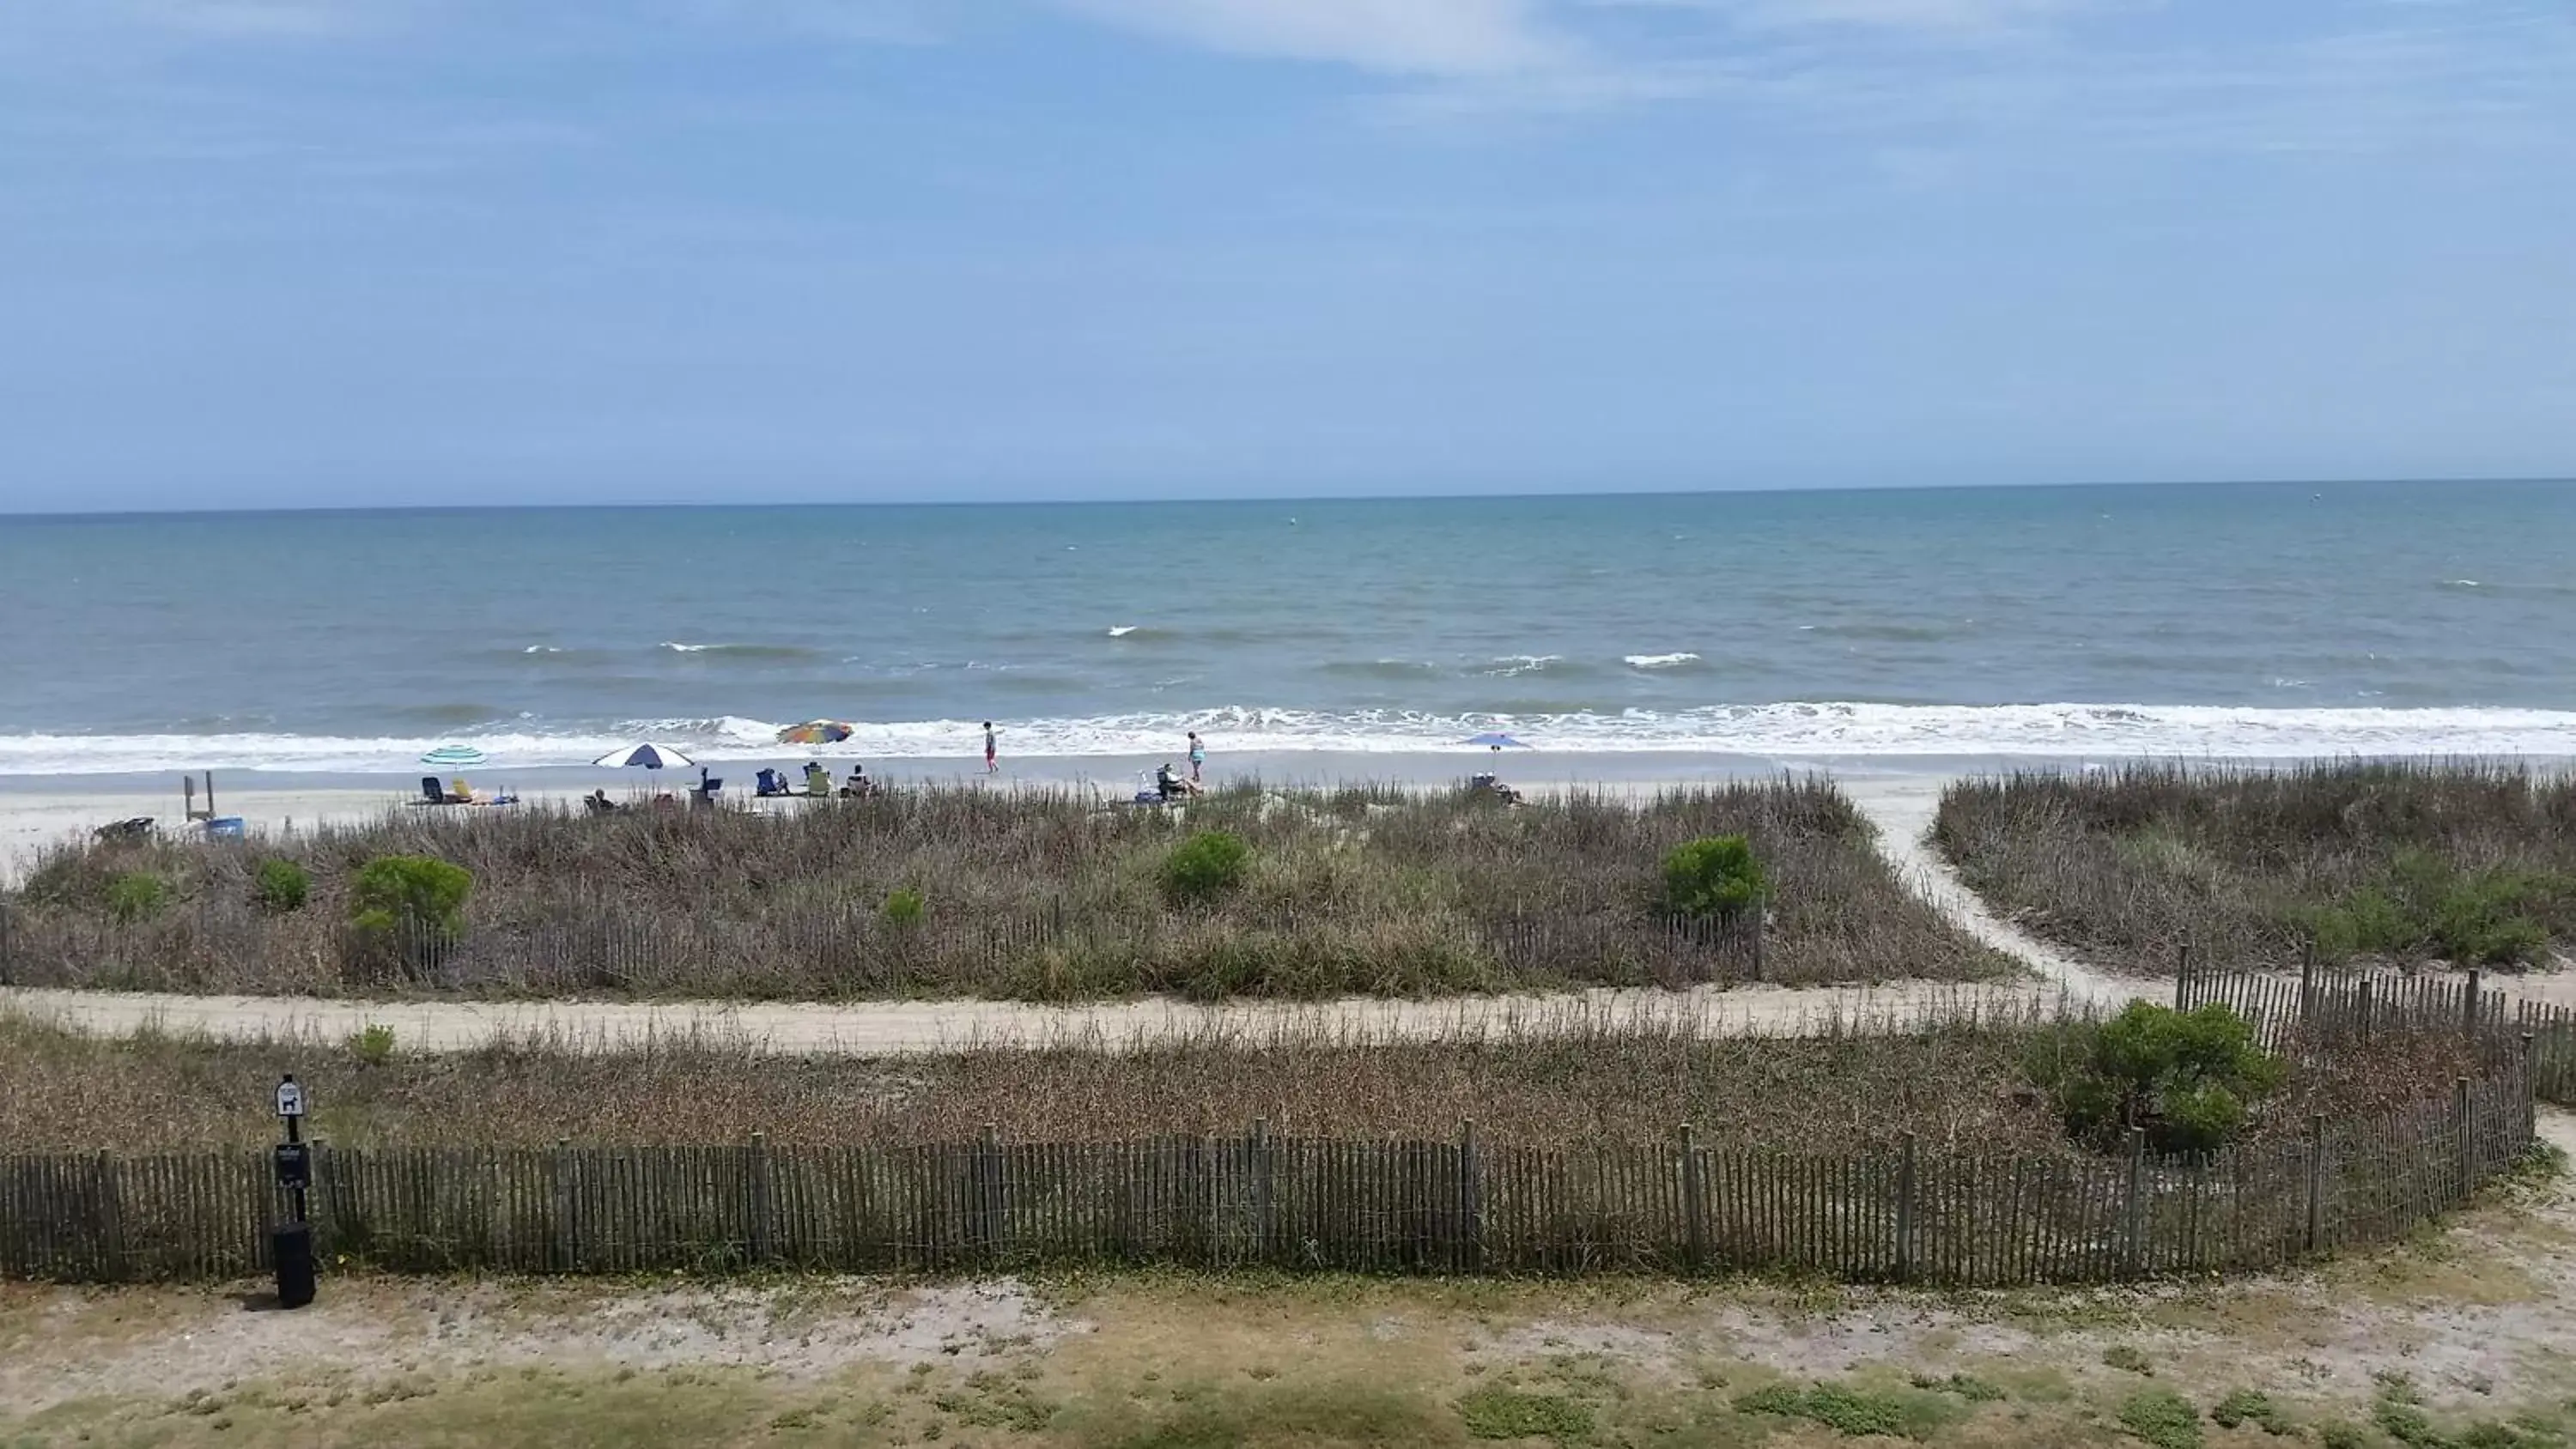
1498 1413
2161 1417
2128 1359
137 894
409 892
1849 1412
281 886
2427 906
2250 1406
1712 877
1967 1386
2190 1080
373 1046
903 908
1206 865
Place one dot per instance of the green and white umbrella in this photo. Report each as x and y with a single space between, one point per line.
453 757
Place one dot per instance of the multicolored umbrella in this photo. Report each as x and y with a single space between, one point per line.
1497 742
645 756
453 757
815 732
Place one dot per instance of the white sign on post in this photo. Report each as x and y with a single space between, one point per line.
290 1100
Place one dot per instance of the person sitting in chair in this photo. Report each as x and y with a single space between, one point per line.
1487 785
1169 784
598 803
858 786
818 781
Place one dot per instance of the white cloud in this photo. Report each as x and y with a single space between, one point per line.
1407 37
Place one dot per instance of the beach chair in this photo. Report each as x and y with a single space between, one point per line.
138 827
770 784
434 793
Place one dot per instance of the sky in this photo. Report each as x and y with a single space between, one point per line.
282 253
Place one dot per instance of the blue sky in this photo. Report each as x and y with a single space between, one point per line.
345 252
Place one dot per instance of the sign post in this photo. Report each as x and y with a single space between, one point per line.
291 1243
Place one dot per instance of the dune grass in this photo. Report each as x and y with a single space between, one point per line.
2471 864
1042 895
1568 1081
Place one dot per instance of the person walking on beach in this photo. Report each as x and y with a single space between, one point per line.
1198 756
991 763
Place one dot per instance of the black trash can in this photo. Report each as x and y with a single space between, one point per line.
291 1244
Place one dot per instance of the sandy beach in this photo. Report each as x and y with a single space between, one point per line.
36 811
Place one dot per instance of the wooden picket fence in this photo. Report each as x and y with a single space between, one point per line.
2338 1009
1909 1212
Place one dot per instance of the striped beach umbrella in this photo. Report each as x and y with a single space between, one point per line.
815 732
647 756
453 757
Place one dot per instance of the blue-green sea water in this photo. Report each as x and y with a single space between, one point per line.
2256 620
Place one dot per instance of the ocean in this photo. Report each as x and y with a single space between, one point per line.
1807 627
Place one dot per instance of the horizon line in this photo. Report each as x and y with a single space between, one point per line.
1265 498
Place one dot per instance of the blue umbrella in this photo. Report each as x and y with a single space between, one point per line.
1496 741
647 756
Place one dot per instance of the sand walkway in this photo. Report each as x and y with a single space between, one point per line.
1902 809
914 1027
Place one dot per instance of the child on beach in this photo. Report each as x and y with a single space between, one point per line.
991 764
1198 756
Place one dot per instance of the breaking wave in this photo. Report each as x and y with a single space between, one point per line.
1791 731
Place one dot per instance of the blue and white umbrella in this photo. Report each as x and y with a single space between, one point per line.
1497 741
644 756
457 757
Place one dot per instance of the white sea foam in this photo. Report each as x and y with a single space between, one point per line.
1806 731
541 649
1121 631
1659 661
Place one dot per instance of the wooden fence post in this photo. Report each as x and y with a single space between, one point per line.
759 1186
1905 1209
1471 1201
2316 1179
1694 1213
2182 975
2361 1008
2134 1226
2530 1095
2469 1008
2461 1113
567 1242
1761 914
1261 1187
2307 981
986 1213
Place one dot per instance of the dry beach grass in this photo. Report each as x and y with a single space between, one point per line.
1040 894
1567 1082
2473 864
